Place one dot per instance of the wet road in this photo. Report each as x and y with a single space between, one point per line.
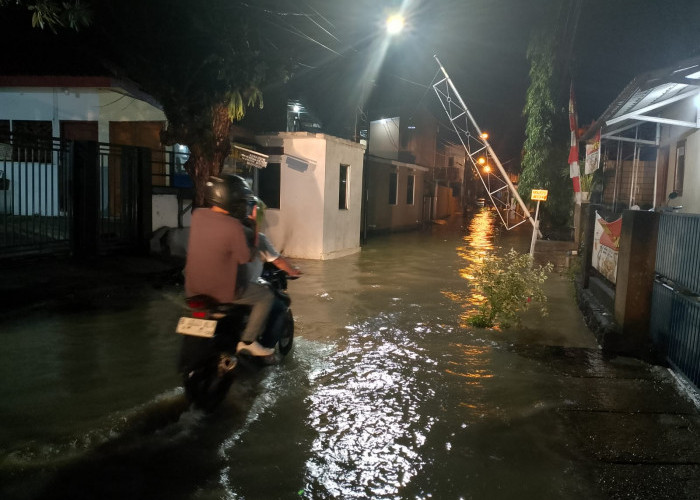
387 393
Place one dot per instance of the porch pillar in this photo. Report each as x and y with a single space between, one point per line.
86 196
635 278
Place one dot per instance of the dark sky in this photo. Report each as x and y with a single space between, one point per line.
482 44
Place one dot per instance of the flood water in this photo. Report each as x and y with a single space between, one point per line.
387 393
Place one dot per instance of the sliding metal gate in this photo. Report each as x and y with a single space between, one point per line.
675 313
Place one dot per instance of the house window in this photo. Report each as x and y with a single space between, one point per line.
343 186
32 141
393 187
269 185
410 183
680 167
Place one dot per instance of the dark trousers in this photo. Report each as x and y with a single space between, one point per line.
275 323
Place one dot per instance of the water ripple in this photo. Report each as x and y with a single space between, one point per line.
366 410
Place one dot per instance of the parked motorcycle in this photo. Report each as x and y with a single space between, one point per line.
211 333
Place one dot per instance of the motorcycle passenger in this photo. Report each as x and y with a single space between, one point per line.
266 252
217 246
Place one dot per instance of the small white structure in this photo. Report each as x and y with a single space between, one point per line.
318 214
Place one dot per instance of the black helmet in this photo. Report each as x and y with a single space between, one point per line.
229 192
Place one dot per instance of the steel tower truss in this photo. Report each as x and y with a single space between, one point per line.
496 182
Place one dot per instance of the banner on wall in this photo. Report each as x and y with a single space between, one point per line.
606 246
593 154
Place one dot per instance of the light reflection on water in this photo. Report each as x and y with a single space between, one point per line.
477 244
366 410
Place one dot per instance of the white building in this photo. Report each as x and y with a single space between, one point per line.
97 109
313 188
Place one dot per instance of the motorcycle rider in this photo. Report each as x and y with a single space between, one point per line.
217 246
266 252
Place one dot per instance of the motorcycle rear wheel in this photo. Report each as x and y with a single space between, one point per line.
286 340
205 389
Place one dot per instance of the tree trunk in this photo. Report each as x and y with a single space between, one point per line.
207 154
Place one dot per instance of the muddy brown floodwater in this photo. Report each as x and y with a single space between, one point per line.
387 393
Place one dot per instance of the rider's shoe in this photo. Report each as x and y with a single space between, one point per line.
254 349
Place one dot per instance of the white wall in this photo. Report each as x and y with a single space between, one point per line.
384 138
341 235
56 105
691 177
296 228
309 224
79 104
685 111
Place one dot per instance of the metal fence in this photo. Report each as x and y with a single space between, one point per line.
35 212
675 316
58 196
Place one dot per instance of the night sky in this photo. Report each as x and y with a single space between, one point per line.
343 55
482 44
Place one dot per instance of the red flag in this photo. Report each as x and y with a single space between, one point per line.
573 148
574 172
573 119
577 184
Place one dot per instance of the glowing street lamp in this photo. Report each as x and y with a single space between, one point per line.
484 135
395 24
481 160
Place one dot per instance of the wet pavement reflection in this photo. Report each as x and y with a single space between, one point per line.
387 393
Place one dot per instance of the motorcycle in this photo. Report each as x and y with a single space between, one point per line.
211 333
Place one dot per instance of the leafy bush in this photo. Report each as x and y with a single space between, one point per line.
509 284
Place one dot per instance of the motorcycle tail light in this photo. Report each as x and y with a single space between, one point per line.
195 304
199 314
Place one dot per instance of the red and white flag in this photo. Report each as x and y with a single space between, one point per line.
574 171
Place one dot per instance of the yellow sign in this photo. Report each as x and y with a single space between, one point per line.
539 195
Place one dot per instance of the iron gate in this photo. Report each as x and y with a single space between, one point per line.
675 309
72 196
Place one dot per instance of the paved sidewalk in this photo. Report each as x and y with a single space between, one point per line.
629 420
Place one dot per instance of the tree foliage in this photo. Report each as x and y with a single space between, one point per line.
53 14
546 130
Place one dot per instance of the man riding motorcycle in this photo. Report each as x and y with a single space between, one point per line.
217 246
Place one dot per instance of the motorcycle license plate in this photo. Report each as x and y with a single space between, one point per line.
196 327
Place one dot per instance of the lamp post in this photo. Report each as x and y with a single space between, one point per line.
487 171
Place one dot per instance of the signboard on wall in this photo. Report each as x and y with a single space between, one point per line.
606 246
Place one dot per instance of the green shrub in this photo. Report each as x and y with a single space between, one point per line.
509 284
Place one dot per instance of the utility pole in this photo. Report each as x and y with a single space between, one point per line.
475 144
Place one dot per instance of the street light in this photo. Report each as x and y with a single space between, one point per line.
395 24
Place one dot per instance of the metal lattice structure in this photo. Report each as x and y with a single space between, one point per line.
497 182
